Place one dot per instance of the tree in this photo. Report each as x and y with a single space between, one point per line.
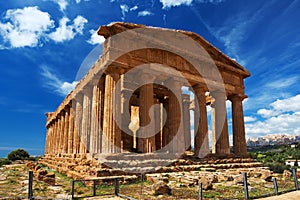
19 154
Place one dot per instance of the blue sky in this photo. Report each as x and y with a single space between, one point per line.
44 42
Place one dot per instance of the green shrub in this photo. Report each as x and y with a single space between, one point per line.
4 161
19 154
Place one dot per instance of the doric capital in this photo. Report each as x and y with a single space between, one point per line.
237 97
199 88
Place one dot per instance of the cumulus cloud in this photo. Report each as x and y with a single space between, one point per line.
282 117
52 82
173 3
95 38
67 31
24 27
144 13
249 119
281 106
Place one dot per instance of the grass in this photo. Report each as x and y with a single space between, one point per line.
16 184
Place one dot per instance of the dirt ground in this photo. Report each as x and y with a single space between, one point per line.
288 196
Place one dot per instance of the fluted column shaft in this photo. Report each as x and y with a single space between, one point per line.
147 140
66 130
61 131
127 135
175 115
201 134
165 134
158 121
186 120
238 127
77 125
71 131
94 140
221 126
112 133
86 115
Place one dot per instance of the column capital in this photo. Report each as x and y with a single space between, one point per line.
199 87
237 97
146 77
218 94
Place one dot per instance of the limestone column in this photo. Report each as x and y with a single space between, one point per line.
58 133
175 115
186 121
53 145
158 119
165 129
146 136
127 134
61 133
66 130
101 112
56 136
77 124
238 127
111 133
94 139
221 126
86 115
47 140
201 134
71 130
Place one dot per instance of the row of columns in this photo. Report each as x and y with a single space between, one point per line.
77 128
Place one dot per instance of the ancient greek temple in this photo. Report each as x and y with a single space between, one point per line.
138 97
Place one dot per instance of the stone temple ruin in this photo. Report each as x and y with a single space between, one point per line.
133 104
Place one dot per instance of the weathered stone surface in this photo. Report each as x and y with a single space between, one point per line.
287 174
206 183
161 188
267 176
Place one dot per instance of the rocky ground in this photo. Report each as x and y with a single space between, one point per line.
217 184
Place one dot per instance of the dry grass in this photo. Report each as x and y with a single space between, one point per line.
14 183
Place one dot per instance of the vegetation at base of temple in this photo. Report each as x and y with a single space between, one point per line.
275 156
18 154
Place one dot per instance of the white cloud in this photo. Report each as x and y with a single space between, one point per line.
281 124
144 13
124 9
282 117
24 27
174 3
281 106
134 8
282 83
62 4
248 119
95 38
53 82
67 32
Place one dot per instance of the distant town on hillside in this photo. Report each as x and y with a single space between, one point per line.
276 139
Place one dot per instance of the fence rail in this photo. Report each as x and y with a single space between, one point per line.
116 187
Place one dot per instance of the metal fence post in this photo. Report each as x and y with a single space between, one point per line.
200 191
295 179
275 186
245 185
30 180
72 188
116 186
94 187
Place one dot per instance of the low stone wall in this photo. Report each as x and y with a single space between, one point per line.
85 167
